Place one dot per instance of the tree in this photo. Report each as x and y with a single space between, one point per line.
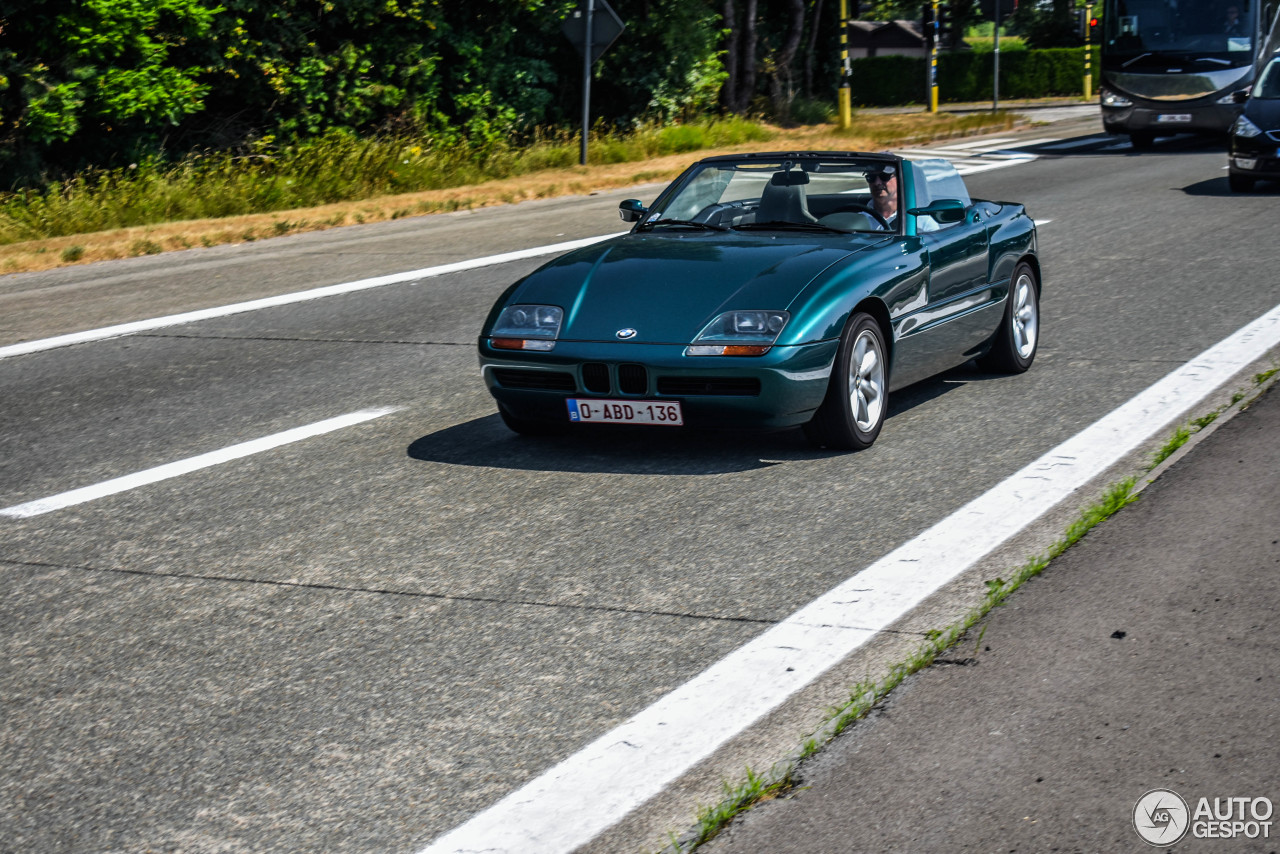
1047 23
84 78
740 55
781 76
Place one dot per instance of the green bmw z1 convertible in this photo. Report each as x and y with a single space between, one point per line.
770 291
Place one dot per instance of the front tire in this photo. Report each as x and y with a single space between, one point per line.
1018 337
528 426
1142 140
1239 183
857 400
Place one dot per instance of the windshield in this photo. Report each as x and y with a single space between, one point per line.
800 193
1268 85
1151 35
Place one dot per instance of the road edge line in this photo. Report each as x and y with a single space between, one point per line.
132 328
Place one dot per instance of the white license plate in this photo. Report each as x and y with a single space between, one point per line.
665 413
1173 118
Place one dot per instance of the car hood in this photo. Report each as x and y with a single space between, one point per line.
1264 112
668 286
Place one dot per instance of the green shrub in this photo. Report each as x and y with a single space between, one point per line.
885 81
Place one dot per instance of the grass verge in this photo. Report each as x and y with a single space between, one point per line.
219 199
863 697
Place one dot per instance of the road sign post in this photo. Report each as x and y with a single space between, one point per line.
592 29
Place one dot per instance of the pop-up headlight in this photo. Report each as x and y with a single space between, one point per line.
527 327
739 333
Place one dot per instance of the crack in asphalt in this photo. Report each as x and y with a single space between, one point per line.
388 592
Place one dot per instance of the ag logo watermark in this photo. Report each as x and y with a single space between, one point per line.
1162 817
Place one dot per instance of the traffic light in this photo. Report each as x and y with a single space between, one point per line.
1082 23
928 27
946 24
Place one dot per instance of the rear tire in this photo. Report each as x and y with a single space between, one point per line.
857 400
1018 337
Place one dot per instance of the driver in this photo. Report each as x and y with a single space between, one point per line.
882 180
1232 26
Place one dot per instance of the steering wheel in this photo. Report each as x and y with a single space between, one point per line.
871 209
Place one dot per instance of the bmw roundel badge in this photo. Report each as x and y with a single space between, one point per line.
627 333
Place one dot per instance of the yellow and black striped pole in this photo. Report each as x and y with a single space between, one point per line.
846 70
933 59
1088 51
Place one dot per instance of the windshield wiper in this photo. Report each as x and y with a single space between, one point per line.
784 225
1135 59
706 225
1216 59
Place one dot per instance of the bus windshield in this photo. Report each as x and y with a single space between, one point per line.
1154 35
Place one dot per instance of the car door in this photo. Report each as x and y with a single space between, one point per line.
954 319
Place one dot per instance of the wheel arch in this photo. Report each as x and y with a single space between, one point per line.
880 312
1034 263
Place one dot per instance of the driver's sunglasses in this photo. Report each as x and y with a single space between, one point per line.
881 177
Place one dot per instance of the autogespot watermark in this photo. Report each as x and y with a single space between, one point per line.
1162 817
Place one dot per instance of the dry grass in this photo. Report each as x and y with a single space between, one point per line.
868 134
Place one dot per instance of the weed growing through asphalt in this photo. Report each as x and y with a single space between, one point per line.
1184 433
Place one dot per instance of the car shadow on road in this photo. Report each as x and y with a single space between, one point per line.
1219 187
486 442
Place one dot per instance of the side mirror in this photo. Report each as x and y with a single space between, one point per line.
1240 96
631 210
943 210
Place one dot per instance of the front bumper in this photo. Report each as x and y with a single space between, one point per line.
1167 118
780 389
1255 157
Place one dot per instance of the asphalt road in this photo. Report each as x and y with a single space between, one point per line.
357 641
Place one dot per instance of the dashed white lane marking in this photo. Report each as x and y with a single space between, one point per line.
971 168
288 299
181 467
576 800
968 162
979 143
1078 143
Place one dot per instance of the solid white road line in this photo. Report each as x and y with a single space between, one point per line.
585 794
213 458
288 299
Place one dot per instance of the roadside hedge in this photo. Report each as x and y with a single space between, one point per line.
888 81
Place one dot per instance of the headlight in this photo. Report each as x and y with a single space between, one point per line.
1245 128
739 333
1114 99
527 327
